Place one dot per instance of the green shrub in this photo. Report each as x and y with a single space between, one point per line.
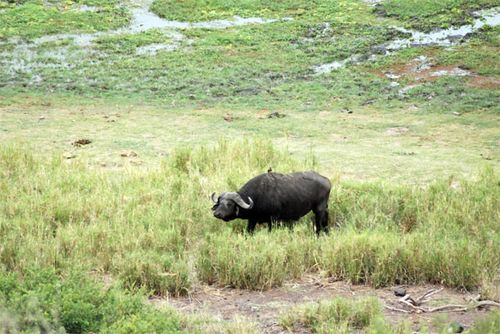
42 301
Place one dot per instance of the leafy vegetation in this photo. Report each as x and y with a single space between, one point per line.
42 301
481 54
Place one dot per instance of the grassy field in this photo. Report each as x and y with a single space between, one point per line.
407 146
89 231
70 218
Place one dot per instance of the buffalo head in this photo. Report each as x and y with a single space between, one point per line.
227 205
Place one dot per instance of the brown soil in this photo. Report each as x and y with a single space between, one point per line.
265 307
484 82
396 131
81 142
418 70
410 72
429 74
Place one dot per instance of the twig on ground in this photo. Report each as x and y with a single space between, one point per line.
408 298
406 302
414 304
395 309
425 297
450 308
487 303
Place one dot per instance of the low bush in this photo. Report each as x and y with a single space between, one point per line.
42 301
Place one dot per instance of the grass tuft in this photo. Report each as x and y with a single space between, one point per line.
340 315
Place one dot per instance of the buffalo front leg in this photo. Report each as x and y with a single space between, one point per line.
251 226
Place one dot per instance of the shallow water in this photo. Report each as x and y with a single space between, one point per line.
458 72
329 67
153 49
143 19
443 37
23 57
373 2
86 8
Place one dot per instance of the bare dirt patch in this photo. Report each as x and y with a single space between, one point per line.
81 142
265 307
396 131
484 82
422 69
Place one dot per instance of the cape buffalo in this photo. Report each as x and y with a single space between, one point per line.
273 196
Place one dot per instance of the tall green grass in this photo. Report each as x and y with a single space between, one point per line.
153 229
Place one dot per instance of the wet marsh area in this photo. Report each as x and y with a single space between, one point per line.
314 54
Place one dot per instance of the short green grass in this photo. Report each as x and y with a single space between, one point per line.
428 14
255 66
128 43
364 145
481 54
341 10
35 19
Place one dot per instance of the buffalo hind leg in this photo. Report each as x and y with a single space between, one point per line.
325 221
318 218
321 217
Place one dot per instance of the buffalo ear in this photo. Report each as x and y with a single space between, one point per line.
237 210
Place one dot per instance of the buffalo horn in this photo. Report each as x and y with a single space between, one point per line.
214 198
237 198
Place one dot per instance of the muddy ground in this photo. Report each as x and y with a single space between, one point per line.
265 307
